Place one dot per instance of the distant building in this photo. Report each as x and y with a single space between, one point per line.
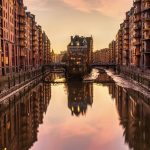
106 55
79 51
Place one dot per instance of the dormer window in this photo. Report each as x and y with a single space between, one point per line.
84 42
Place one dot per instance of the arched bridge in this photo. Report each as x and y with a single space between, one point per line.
56 65
64 66
100 64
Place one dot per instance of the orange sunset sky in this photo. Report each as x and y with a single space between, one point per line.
63 18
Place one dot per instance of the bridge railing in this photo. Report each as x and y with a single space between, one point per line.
103 64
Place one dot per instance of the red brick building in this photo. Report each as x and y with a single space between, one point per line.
22 45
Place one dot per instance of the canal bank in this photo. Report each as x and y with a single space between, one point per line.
21 114
75 115
142 77
82 113
13 83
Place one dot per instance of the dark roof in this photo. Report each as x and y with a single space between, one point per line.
77 40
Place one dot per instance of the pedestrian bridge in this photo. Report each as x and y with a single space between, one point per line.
64 66
99 64
56 65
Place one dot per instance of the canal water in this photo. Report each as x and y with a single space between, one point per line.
96 114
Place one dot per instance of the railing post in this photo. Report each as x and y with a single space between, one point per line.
14 80
19 78
24 77
8 82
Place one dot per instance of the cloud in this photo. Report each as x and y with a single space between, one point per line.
82 5
106 7
115 8
41 5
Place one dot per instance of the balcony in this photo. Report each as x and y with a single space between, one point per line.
35 45
23 53
120 39
146 26
147 36
34 55
137 43
126 32
126 48
35 39
137 35
137 10
146 16
137 52
146 6
22 43
22 29
137 19
22 22
34 33
126 37
34 29
146 51
22 36
137 1
137 27
126 26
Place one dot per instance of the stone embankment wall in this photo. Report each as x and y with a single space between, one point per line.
140 76
8 84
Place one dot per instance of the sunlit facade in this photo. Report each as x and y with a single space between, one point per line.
132 42
106 55
79 51
146 34
21 46
132 39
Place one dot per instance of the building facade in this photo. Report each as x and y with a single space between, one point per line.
145 33
22 45
80 57
106 55
131 47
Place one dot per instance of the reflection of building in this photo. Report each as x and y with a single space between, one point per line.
103 77
80 95
134 116
106 80
21 115
79 55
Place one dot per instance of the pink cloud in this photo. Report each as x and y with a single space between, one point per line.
106 7
115 9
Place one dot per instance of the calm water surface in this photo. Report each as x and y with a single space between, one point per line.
76 115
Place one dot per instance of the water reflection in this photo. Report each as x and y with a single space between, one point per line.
134 112
80 95
22 113
20 116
